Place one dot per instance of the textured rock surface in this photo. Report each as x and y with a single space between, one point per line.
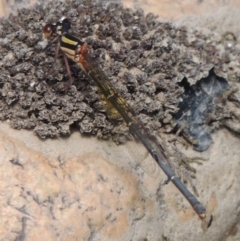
84 189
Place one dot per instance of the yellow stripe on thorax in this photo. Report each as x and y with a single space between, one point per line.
69 41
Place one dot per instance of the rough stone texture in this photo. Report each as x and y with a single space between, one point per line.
40 185
75 198
83 189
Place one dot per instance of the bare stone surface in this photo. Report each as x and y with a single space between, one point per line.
65 188
82 189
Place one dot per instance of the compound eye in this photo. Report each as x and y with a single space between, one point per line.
48 30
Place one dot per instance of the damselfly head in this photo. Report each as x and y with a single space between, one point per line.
49 29
61 27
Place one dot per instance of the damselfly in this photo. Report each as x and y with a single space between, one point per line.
76 50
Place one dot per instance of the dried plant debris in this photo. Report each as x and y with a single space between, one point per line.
146 61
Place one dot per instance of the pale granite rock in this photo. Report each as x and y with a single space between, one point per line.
84 189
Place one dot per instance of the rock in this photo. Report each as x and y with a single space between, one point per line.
79 188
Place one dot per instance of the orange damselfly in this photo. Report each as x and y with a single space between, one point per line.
76 50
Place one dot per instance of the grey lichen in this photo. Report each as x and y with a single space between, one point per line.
144 59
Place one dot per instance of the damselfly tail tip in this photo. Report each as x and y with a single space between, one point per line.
202 215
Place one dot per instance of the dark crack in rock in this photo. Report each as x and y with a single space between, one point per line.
144 59
199 105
